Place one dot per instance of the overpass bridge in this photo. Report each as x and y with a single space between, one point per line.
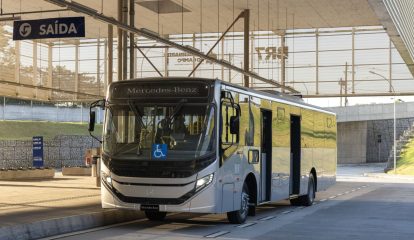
366 132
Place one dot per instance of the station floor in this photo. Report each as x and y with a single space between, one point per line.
27 201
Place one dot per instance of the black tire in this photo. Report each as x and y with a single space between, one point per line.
295 201
240 216
155 216
308 199
252 209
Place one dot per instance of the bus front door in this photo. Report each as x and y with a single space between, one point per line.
266 156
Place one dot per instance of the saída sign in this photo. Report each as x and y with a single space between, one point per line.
49 28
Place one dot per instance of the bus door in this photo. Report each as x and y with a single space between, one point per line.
266 156
295 150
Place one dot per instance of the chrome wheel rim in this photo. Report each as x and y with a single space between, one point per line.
244 204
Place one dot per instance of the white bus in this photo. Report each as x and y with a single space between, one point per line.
207 146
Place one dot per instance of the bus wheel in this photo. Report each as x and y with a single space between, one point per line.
307 200
155 216
240 216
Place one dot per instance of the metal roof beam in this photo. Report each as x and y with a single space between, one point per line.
148 34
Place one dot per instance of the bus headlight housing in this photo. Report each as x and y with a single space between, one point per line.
204 181
106 178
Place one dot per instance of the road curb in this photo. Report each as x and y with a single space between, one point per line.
51 227
387 176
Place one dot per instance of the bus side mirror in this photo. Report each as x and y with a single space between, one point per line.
234 124
92 116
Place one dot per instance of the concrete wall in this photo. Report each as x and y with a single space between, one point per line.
372 112
379 152
360 125
61 151
352 138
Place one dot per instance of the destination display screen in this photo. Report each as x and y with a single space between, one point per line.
157 90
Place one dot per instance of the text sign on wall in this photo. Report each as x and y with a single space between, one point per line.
49 28
37 151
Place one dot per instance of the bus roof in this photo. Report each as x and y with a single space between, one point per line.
267 94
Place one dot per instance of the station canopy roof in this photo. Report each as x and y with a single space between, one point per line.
167 15
211 16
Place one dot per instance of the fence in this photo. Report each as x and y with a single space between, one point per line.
29 110
58 152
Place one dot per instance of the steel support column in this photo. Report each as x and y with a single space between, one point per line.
283 61
124 40
119 51
246 16
110 55
147 34
390 66
49 69
166 61
34 60
98 63
317 61
36 79
105 64
131 39
346 84
76 69
17 65
217 42
353 60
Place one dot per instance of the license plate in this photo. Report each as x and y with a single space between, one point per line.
150 207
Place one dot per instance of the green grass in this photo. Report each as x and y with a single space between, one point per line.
25 130
405 166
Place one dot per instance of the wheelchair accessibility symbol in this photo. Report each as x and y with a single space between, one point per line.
159 151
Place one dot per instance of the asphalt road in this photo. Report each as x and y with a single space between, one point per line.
357 207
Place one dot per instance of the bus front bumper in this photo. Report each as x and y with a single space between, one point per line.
202 201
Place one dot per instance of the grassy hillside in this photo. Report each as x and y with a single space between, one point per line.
25 130
405 165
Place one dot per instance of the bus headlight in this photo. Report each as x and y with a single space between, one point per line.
106 178
203 182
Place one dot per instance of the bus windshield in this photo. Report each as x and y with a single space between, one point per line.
185 131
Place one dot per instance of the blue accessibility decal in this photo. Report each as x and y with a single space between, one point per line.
159 151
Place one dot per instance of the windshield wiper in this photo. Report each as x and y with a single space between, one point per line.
177 109
136 112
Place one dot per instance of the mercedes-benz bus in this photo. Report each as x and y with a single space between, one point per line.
208 146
